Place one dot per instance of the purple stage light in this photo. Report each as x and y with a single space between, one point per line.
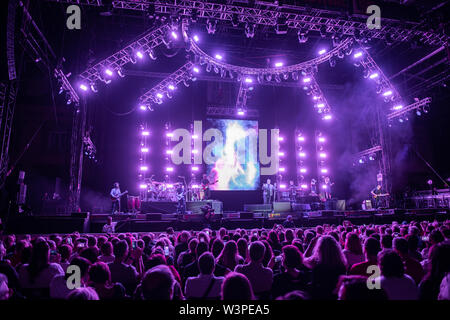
321 105
306 80
83 87
373 75
387 93
248 80
194 169
303 170
169 169
170 186
322 51
174 35
219 57
301 138
397 107
323 170
282 186
282 169
140 55
171 87
327 117
196 38
169 134
145 133
324 186
322 155
194 136
196 69
281 154
169 152
240 112
279 64
109 72
142 107
195 151
302 155
195 186
304 186
280 139
159 95
358 55
144 150
315 98
321 139
142 186
144 168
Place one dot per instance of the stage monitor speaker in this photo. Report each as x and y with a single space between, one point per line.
301 207
340 205
83 215
246 215
154 216
282 206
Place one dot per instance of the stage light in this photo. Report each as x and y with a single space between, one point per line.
268 77
145 133
120 73
324 186
282 169
152 54
195 186
142 107
249 30
373 75
322 51
169 169
240 112
397 107
211 26
248 80
303 170
169 134
144 150
321 139
281 154
323 170
294 75
357 55
327 117
302 35
322 155
306 80
371 158
302 155
280 139
387 93
83 87
194 168
169 151
194 136
361 161
159 95
277 78
144 168
301 138
278 64
174 35
196 69
139 55
94 87
142 186
109 72
321 105
282 186
195 151
196 38
332 62
169 185
426 109
218 57
304 186
171 87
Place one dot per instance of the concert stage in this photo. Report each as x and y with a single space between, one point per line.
157 222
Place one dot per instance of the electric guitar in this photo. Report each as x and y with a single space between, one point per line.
206 186
118 196
380 195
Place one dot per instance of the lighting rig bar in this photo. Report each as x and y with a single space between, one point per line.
411 107
96 3
368 152
157 93
144 44
295 17
372 69
230 112
66 86
204 58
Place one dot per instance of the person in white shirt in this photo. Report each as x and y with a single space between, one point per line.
110 226
393 280
205 285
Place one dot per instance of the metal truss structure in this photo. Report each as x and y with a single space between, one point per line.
66 87
116 61
158 92
414 106
369 151
230 112
96 3
7 111
294 17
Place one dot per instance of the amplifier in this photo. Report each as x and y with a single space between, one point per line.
258 207
282 206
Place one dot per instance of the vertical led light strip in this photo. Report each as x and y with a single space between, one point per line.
322 161
301 155
169 169
143 160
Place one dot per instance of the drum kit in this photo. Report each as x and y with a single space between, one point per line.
165 192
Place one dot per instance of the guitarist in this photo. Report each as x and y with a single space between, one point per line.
377 194
205 187
181 193
115 197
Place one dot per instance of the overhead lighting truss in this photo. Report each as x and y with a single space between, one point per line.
414 106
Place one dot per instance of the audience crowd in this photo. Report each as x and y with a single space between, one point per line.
398 261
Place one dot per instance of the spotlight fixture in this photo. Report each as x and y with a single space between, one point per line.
249 30
211 26
235 20
332 62
302 35
281 26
